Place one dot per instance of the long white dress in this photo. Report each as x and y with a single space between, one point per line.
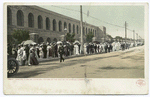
76 49
85 49
41 52
48 47
20 56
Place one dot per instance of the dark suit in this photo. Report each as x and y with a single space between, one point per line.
61 52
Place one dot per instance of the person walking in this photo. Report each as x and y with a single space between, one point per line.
106 47
56 50
61 52
32 57
38 51
27 53
45 50
20 55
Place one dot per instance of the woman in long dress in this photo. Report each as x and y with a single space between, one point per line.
33 58
76 49
41 52
20 55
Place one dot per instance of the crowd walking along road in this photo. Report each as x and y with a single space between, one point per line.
29 52
118 64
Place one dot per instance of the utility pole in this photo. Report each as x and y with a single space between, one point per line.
137 36
81 24
134 36
125 32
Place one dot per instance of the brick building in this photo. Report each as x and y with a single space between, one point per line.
47 26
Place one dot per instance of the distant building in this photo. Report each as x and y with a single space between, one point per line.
47 26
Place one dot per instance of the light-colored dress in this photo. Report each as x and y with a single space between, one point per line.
41 52
48 50
20 56
85 49
76 49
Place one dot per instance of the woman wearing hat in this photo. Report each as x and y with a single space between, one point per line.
32 57
20 55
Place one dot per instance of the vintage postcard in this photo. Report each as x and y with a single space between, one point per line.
76 48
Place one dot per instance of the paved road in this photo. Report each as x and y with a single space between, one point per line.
121 64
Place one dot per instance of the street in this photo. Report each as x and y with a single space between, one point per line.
120 64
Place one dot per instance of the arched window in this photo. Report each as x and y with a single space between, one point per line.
40 22
86 30
93 32
9 16
47 23
20 18
55 40
30 20
54 25
89 30
60 26
77 29
40 40
83 30
73 28
65 25
69 28
48 40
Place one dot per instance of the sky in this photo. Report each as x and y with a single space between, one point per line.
117 15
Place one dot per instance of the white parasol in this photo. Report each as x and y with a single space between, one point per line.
59 42
68 42
76 42
28 42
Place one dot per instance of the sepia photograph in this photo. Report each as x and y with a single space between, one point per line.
82 42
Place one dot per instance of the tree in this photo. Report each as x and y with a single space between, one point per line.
110 38
20 35
89 37
70 37
118 38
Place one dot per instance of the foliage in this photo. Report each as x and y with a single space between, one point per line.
118 37
70 37
20 35
109 36
89 37
11 40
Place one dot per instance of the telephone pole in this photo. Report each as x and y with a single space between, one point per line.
134 36
125 32
137 36
81 24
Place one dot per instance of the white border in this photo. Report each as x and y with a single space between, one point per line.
146 56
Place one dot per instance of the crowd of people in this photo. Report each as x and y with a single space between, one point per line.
29 54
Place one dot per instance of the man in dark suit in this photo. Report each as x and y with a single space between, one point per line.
61 52
106 47
45 50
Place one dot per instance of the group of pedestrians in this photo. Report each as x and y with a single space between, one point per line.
29 54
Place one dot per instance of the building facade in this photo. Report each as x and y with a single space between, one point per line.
47 26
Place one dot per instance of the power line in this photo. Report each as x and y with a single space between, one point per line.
89 16
93 17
